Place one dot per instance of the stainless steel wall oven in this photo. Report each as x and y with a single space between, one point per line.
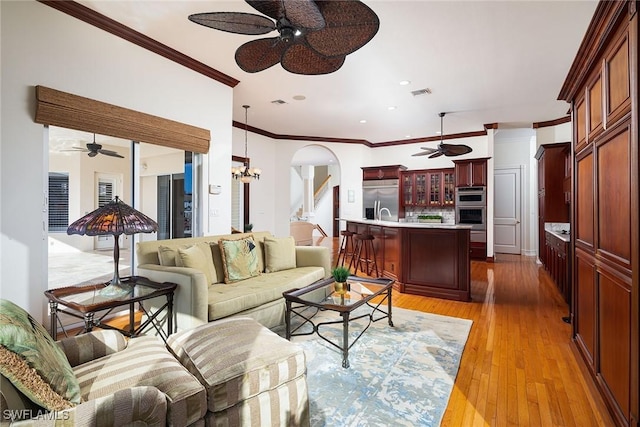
471 207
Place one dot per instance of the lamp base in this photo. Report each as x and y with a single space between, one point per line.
115 290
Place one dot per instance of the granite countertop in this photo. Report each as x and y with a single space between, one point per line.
561 233
447 226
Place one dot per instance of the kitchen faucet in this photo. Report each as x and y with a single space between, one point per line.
380 213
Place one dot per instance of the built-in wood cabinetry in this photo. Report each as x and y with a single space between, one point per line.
602 86
557 263
471 173
552 206
428 188
382 172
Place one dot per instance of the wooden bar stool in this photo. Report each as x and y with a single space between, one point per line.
347 248
365 254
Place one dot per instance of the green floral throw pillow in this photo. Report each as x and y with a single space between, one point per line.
21 335
239 258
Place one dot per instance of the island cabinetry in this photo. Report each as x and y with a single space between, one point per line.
429 260
428 188
382 172
471 172
436 263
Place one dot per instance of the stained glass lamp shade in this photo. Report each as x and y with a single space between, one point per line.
113 219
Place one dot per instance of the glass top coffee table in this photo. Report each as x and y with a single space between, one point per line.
323 296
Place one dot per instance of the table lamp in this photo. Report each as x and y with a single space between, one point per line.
114 218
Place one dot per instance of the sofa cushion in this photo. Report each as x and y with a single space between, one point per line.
229 299
145 362
29 340
167 256
240 259
279 254
198 256
236 359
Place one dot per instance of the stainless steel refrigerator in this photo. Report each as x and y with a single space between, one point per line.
380 194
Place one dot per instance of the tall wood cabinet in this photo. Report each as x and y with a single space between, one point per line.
552 200
471 172
602 87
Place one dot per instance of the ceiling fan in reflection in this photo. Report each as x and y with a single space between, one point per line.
93 149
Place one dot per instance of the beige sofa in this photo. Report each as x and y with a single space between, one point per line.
202 294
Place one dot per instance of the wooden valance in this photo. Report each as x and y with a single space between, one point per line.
76 112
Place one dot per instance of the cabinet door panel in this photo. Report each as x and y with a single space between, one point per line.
391 267
479 173
618 79
581 123
615 335
614 196
585 309
584 199
595 107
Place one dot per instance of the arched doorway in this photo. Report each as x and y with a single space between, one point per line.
315 181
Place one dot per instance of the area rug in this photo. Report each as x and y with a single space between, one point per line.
398 376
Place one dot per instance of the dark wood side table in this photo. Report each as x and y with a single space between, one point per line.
83 302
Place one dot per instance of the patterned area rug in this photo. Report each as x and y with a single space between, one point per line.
400 376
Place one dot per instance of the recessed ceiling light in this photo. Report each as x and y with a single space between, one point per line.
404 82
391 107
363 121
407 136
299 97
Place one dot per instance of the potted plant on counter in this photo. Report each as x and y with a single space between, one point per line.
430 218
340 275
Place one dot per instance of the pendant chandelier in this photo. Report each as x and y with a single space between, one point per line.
245 173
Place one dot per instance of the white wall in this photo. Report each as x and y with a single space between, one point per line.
42 46
512 149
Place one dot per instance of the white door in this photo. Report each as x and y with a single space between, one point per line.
506 220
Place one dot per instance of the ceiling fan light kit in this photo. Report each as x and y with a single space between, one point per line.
314 37
449 150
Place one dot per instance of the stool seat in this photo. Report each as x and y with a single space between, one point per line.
347 248
365 254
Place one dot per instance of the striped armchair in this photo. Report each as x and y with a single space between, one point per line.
122 382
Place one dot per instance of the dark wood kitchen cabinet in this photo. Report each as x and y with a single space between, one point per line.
428 188
471 173
602 87
382 172
552 206
558 264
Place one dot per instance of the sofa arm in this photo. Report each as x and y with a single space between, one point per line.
314 256
141 405
93 345
191 297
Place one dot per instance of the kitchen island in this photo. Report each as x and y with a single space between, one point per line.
423 258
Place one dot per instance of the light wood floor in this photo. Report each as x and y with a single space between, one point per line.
519 367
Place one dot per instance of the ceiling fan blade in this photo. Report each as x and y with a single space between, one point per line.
436 154
258 55
110 153
300 13
92 153
424 153
455 149
75 149
235 22
349 26
300 59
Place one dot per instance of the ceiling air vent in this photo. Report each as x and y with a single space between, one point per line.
278 102
421 92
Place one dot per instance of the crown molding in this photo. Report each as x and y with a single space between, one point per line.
109 25
550 123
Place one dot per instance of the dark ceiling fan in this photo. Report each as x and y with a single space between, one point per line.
93 149
449 150
314 36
